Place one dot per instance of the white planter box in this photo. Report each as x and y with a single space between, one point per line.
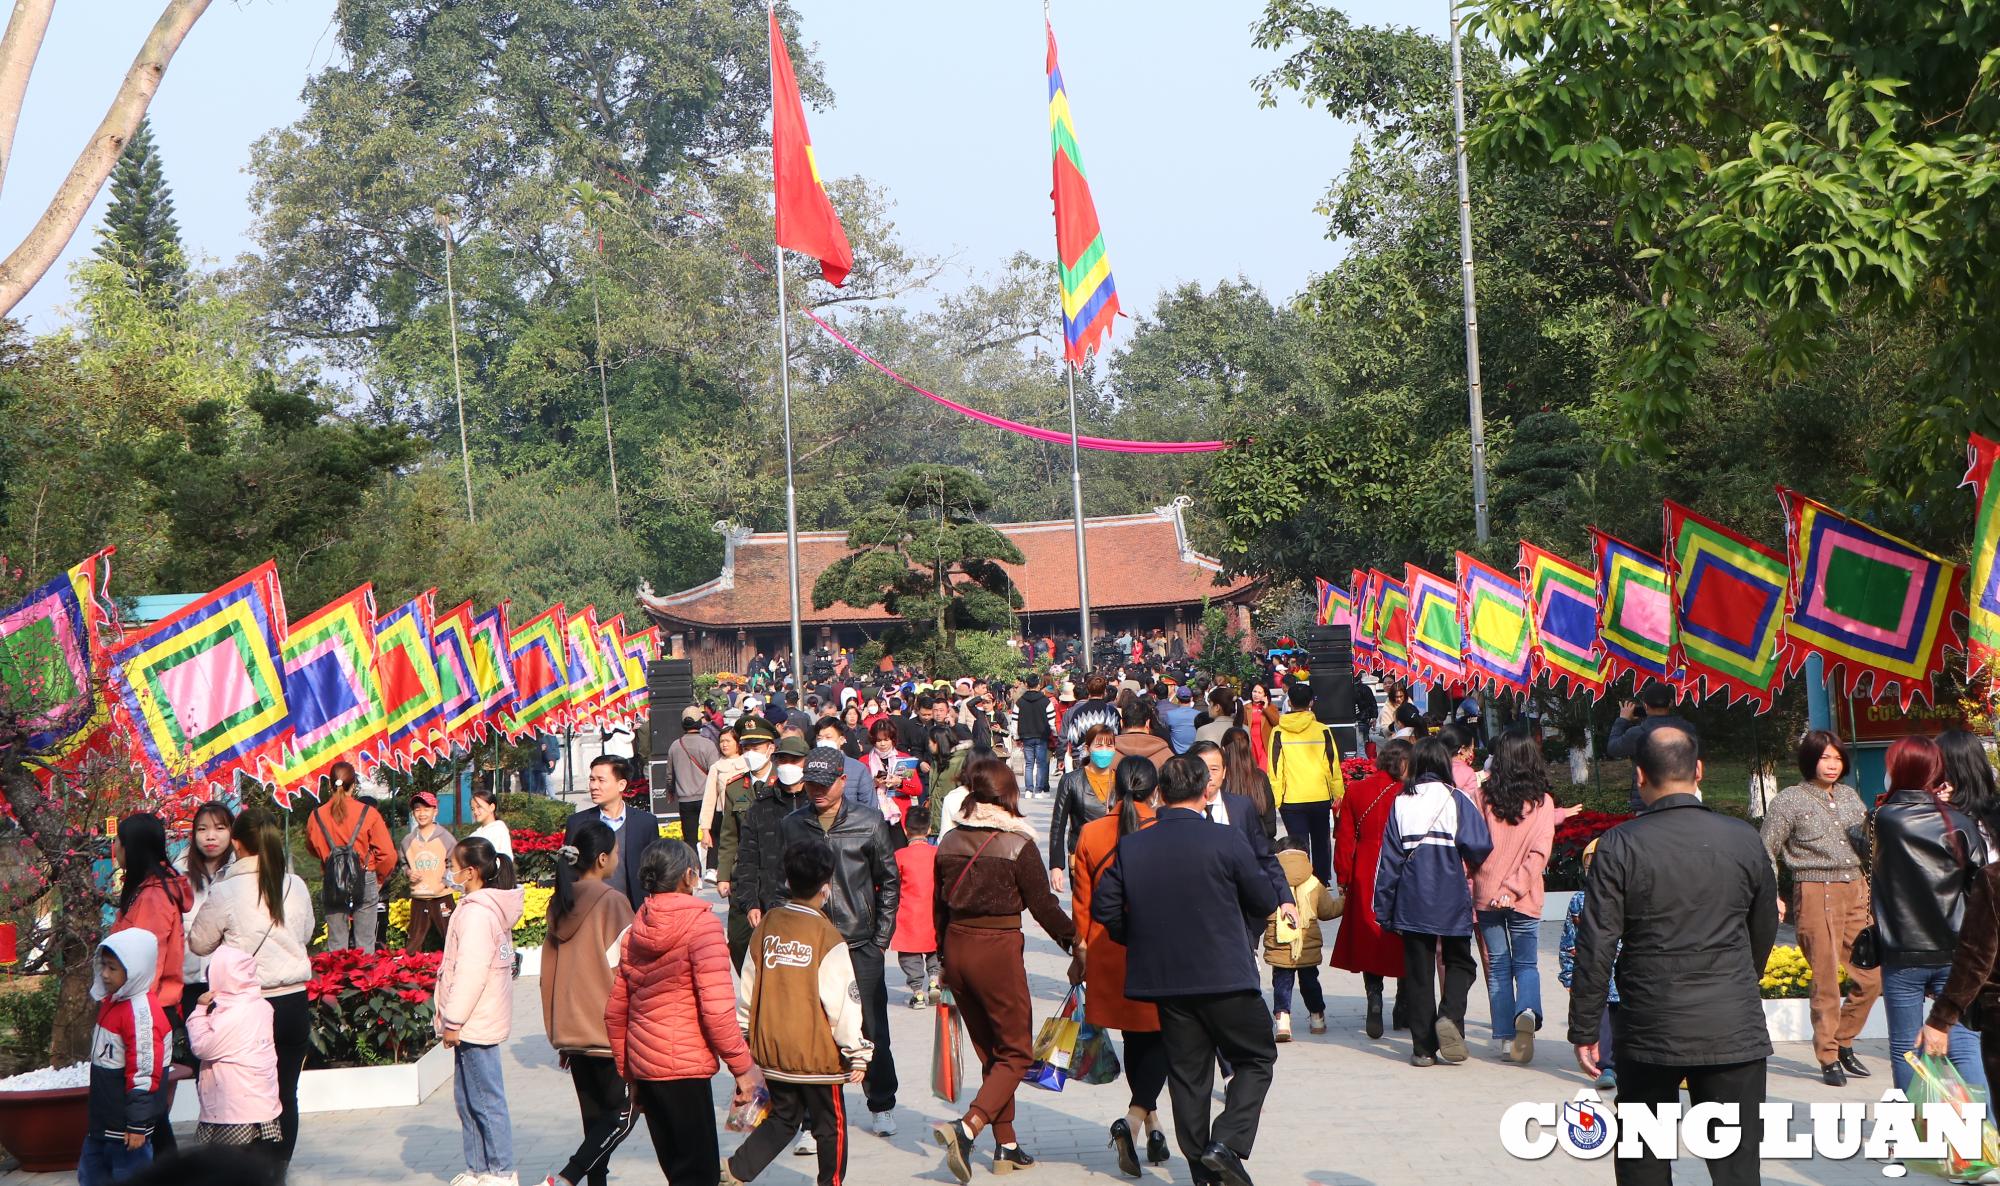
531 960
1791 1021
351 1088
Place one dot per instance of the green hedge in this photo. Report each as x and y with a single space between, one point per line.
535 812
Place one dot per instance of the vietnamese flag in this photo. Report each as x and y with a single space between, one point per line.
806 221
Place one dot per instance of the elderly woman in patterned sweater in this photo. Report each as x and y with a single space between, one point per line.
1807 828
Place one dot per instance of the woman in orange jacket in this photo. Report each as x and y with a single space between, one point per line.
1103 965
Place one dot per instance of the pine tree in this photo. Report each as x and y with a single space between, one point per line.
139 232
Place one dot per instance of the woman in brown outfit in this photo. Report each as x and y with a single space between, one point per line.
585 921
1105 1004
988 872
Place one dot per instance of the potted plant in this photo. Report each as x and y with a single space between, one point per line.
1786 987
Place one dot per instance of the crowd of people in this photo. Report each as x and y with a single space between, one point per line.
866 818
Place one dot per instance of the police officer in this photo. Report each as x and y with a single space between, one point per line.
758 742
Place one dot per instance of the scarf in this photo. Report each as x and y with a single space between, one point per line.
1100 782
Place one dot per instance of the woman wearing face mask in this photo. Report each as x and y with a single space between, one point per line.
1083 795
729 766
898 793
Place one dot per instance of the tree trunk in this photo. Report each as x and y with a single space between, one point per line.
31 260
18 49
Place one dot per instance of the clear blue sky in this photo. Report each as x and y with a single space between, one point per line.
943 104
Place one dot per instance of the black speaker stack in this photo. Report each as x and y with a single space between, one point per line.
1330 659
669 689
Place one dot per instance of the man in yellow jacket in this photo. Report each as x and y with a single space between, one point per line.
1305 776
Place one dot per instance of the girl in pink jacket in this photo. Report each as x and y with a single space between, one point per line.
475 1005
229 1030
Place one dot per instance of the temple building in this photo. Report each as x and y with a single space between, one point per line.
1143 574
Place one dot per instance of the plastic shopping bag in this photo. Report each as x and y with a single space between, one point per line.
1055 1046
750 1113
1937 1081
947 1063
1096 1060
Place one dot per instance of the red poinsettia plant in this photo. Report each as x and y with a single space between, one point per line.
1355 769
535 854
1572 836
371 1007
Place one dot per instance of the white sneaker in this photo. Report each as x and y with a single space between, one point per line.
468 1178
499 1180
1284 1027
807 1147
882 1124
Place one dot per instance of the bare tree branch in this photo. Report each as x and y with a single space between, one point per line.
25 30
30 261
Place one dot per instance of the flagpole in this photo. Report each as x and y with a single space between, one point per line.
1474 397
1076 500
791 494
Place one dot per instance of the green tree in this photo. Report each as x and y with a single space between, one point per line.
1790 162
923 555
139 232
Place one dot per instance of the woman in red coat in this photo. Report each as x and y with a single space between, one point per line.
1362 945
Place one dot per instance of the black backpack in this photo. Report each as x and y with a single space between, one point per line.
340 888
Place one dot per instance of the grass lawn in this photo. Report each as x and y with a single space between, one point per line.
1726 786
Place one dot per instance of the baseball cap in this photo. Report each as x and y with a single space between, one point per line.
792 745
1068 693
1184 694
825 765
423 799
691 713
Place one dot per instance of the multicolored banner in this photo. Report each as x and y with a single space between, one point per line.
613 699
1437 649
1083 268
330 686
1635 616
1562 621
1392 620
537 652
492 669
1869 604
51 652
1729 608
412 700
586 668
1366 648
1493 619
460 703
1332 605
1983 618
202 690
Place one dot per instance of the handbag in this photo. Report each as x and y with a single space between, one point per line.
1866 951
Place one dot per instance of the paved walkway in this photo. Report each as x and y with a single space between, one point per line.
1344 1111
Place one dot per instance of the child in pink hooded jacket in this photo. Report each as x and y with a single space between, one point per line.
475 1005
229 1030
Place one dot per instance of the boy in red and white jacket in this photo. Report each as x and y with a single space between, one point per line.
128 1061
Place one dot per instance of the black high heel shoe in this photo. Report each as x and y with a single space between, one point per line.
1121 1143
1156 1148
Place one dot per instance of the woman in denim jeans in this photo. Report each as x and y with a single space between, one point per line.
1927 852
1507 890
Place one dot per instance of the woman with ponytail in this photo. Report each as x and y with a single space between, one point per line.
586 921
260 907
1100 963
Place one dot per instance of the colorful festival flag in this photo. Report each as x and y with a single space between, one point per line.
492 670
1334 607
586 668
1089 298
412 701
1364 621
1866 602
537 652
1437 649
1562 622
640 651
1392 620
1493 619
460 704
52 646
1729 608
331 689
617 693
202 689
806 221
1635 616
1984 608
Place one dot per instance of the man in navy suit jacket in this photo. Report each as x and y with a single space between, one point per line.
634 828
1178 896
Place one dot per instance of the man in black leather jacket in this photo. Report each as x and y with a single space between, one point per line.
1693 898
861 906
758 883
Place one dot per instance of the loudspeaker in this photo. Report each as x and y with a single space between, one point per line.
1330 659
669 689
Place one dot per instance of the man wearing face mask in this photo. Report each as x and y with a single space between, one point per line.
758 740
758 883
861 906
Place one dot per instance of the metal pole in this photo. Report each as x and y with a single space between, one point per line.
457 382
1076 498
604 391
791 494
1473 397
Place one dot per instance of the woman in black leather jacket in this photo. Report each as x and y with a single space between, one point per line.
1926 856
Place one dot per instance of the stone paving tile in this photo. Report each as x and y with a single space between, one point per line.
1344 1111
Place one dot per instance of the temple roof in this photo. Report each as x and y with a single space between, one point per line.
1136 561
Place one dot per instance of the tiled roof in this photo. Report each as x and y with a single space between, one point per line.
1135 561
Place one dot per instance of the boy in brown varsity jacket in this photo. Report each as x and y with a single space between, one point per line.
801 1011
